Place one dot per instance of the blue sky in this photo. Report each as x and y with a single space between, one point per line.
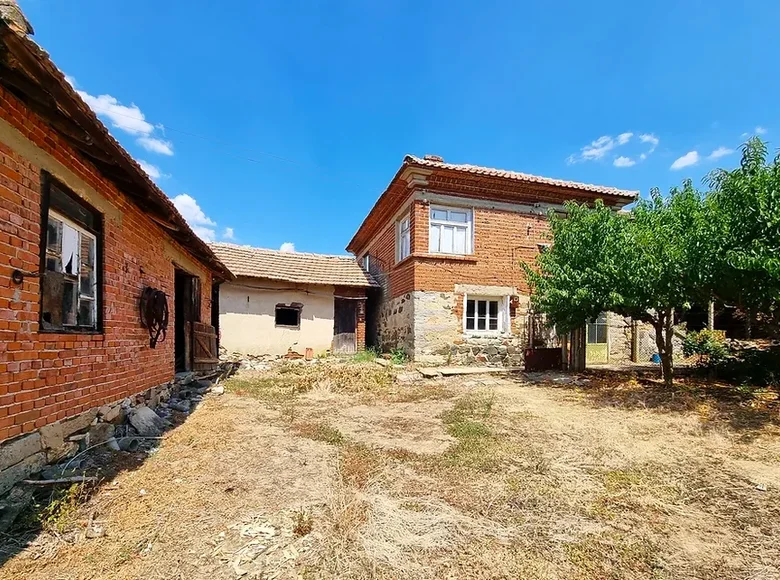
273 122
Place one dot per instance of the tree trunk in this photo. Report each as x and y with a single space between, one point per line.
663 340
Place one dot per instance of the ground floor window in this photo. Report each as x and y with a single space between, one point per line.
597 330
288 316
70 248
485 314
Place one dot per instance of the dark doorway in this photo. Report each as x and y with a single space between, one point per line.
186 312
373 302
344 326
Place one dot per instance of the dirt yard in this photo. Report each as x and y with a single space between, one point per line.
340 471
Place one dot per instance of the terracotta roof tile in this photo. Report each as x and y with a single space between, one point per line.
298 267
502 173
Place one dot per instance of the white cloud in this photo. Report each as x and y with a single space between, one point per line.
156 145
690 158
623 162
760 130
720 152
597 149
650 138
228 234
287 247
151 170
200 223
129 119
642 156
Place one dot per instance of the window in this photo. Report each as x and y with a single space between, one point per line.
288 316
486 315
70 247
597 331
403 239
450 231
367 263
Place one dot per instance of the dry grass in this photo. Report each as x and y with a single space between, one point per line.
360 477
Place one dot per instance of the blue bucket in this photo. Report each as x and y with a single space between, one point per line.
656 358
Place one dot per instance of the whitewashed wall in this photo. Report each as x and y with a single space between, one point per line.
246 317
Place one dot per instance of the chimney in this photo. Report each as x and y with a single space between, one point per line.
13 17
437 158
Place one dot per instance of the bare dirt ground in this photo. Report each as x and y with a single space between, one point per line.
337 471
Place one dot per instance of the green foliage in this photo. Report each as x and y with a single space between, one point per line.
645 264
745 205
709 345
367 355
752 366
60 513
398 356
654 259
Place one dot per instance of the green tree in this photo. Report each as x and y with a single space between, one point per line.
644 264
745 205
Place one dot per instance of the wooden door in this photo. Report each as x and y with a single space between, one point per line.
344 326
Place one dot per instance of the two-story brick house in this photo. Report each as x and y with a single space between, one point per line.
446 243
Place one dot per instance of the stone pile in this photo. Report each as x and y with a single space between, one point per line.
57 450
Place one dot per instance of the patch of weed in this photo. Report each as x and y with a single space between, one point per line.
303 522
320 432
367 355
359 463
61 512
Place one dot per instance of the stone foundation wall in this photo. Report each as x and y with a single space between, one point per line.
439 338
620 337
47 451
395 324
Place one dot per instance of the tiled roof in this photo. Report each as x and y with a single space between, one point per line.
297 267
502 173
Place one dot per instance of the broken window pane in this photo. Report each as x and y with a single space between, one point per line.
70 249
69 303
69 283
86 313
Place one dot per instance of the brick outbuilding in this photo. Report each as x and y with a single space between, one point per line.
83 232
446 242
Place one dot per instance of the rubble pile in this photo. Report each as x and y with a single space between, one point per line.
58 453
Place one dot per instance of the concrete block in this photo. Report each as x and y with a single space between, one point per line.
15 450
53 436
22 470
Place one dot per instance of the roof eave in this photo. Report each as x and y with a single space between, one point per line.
53 83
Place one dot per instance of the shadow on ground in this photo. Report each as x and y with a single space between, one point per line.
743 408
54 508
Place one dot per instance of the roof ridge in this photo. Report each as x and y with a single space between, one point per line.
512 174
296 253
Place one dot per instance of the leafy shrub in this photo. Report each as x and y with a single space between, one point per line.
752 366
709 345
398 356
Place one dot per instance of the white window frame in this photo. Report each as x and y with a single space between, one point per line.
503 315
596 324
403 238
440 224
53 214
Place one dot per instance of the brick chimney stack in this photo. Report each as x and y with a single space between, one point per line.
13 17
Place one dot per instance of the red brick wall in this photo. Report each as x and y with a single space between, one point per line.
502 241
397 279
47 377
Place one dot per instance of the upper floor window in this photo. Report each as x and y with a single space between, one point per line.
403 238
69 249
450 231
